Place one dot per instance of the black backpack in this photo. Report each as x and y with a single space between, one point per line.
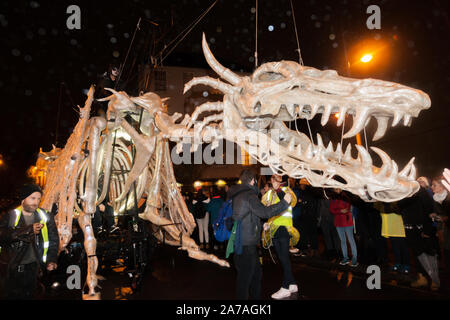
199 208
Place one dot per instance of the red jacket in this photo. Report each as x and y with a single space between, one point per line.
341 219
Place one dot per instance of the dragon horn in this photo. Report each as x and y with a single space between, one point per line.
223 72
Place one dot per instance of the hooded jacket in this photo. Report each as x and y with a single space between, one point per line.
248 208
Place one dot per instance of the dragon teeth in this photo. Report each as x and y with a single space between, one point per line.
179 147
348 153
291 110
314 109
320 142
364 156
412 174
407 120
194 147
359 122
387 163
407 169
339 149
382 127
329 148
397 117
214 144
325 115
341 118
300 110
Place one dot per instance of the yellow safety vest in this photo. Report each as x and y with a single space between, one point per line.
284 219
392 225
44 230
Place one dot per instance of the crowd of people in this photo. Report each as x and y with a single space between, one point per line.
410 236
287 214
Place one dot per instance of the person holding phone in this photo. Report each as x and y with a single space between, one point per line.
29 242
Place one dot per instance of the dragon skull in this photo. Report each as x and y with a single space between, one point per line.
258 105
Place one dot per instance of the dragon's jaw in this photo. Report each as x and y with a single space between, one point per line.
291 152
255 107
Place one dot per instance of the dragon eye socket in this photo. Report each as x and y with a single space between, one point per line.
269 76
399 100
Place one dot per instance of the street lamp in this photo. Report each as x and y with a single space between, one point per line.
366 58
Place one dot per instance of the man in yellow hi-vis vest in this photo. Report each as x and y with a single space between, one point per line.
29 241
280 231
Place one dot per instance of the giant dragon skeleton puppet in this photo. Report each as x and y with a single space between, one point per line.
251 114
122 160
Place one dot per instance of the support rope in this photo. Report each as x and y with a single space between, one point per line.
296 35
256 37
128 52
300 60
188 31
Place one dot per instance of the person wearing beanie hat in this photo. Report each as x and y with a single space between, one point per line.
27 190
29 241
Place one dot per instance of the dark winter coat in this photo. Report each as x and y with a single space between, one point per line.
14 241
249 209
415 210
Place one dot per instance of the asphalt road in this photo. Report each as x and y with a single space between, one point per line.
172 275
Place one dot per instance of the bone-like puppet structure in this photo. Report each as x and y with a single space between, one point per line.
252 114
255 108
121 160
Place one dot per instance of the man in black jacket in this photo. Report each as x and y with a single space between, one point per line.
29 241
421 236
248 209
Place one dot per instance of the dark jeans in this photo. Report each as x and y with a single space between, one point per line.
401 252
22 284
249 274
281 244
308 232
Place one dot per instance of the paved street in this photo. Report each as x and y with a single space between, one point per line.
175 276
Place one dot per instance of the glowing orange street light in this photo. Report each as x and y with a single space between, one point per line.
366 58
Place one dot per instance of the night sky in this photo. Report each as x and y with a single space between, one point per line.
46 68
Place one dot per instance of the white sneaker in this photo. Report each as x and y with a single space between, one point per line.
281 294
293 288
294 250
